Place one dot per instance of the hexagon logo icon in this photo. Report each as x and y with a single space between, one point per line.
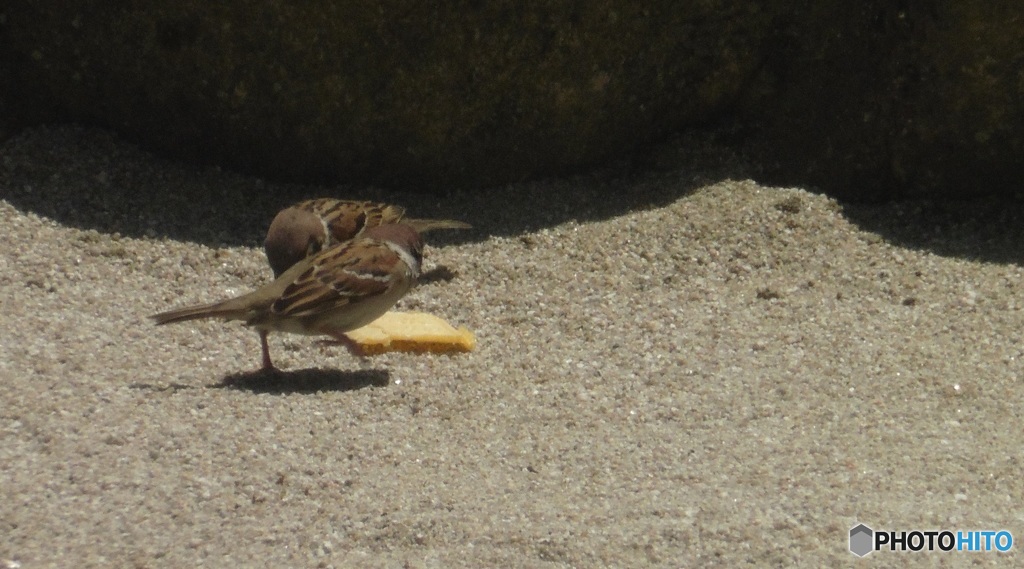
861 540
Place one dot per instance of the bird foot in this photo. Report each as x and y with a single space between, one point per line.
341 339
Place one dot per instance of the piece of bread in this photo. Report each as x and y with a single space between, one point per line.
412 332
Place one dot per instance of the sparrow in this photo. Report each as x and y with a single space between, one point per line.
314 225
337 290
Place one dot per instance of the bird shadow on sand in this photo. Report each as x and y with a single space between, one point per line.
440 273
310 380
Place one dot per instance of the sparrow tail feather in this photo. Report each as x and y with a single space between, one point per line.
424 225
213 310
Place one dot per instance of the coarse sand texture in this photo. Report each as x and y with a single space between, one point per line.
673 368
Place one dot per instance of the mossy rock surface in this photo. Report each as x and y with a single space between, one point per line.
863 100
879 100
432 95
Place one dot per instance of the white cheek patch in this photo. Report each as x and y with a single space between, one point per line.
406 258
328 240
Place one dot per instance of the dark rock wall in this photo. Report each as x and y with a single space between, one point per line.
863 99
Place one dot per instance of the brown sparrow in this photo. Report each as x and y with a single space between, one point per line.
332 292
314 225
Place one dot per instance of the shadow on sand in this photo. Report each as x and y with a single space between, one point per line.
311 380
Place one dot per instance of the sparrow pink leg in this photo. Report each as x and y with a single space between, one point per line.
267 364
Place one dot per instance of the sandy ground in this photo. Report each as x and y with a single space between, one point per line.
676 367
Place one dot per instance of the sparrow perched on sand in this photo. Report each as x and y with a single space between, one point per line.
332 292
314 225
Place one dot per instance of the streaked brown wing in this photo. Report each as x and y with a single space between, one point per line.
338 276
381 213
348 218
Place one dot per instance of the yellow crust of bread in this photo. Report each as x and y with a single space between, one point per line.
412 332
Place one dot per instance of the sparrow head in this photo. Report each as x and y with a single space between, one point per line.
402 236
293 235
